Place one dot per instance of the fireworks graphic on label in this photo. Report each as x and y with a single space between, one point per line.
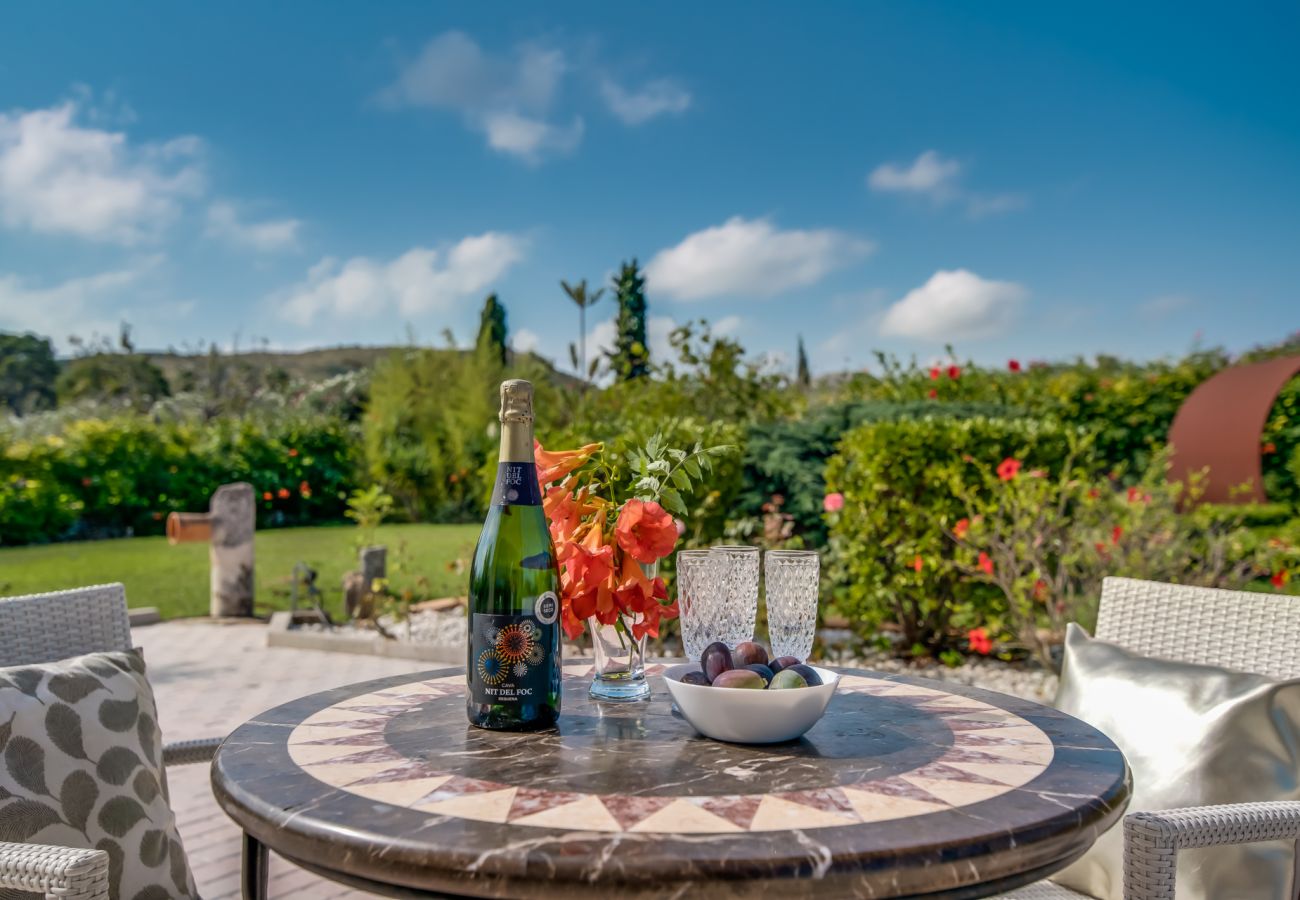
536 655
520 669
514 643
491 668
490 632
534 631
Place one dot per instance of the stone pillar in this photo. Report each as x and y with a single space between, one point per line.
231 551
374 564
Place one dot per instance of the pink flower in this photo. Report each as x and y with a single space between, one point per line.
833 502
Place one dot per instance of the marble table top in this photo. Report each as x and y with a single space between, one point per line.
906 786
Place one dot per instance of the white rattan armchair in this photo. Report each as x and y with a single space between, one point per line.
42 628
1237 630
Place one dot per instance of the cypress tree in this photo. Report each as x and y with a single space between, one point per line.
804 377
492 334
631 355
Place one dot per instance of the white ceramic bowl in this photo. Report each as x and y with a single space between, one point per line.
746 716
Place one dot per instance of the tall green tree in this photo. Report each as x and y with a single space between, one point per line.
631 355
804 377
28 372
579 295
492 332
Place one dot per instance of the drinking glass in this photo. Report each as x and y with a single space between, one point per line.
737 588
698 602
792 583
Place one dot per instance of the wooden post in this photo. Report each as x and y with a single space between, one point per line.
231 550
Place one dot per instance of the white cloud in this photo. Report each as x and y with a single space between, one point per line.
525 341
955 305
602 337
929 174
419 281
727 325
83 307
507 98
1164 306
932 176
58 176
273 234
662 96
750 256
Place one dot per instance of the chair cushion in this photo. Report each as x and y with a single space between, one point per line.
1194 736
81 766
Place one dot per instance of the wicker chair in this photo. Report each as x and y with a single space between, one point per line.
1237 630
46 627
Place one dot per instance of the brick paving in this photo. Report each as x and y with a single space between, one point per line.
209 678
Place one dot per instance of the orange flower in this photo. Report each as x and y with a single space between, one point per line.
645 531
986 564
959 530
283 493
267 495
1009 468
591 563
1280 578
293 451
555 465
918 563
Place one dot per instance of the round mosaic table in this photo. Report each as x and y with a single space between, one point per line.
906 787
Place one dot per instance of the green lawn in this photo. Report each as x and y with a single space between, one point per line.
175 579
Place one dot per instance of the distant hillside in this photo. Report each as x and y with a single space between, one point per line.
307 365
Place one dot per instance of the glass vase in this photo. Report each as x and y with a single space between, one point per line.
620 658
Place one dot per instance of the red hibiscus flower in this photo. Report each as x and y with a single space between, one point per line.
646 531
1115 534
936 373
1009 468
979 641
1013 365
986 564
954 372
933 394
1280 578
959 530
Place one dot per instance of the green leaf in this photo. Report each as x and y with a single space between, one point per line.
153 848
681 480
21 819
63 726
672 501
25 761
72 688
661 465
78 796
117 764
119 815
676 454
692 467
119 715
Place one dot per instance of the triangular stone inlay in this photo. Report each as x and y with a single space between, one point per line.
684 817
585 814
775 814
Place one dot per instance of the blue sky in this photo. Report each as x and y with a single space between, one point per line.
1022 179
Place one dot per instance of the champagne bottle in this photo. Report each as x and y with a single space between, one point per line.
513 670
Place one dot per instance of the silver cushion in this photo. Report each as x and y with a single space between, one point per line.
1194 735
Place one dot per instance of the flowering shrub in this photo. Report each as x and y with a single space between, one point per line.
1046 540
899 506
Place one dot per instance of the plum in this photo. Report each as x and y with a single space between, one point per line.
784 662
787 679
761 670
695 678
715 660
740 678
747 653
808 672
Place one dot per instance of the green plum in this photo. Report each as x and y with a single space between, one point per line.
740 678
787 679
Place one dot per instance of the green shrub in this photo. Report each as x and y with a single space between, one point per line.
889 542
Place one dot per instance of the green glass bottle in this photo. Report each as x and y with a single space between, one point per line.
513 670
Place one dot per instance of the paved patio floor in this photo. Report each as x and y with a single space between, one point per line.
209 678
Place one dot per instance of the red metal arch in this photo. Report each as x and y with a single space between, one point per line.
1219 425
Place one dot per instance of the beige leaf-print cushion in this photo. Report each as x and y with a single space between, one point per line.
81 766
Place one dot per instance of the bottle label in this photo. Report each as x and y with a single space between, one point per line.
517 485
510 657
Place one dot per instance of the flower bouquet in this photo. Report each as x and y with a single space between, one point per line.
611 518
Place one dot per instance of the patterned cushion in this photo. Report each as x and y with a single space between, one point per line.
81 766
